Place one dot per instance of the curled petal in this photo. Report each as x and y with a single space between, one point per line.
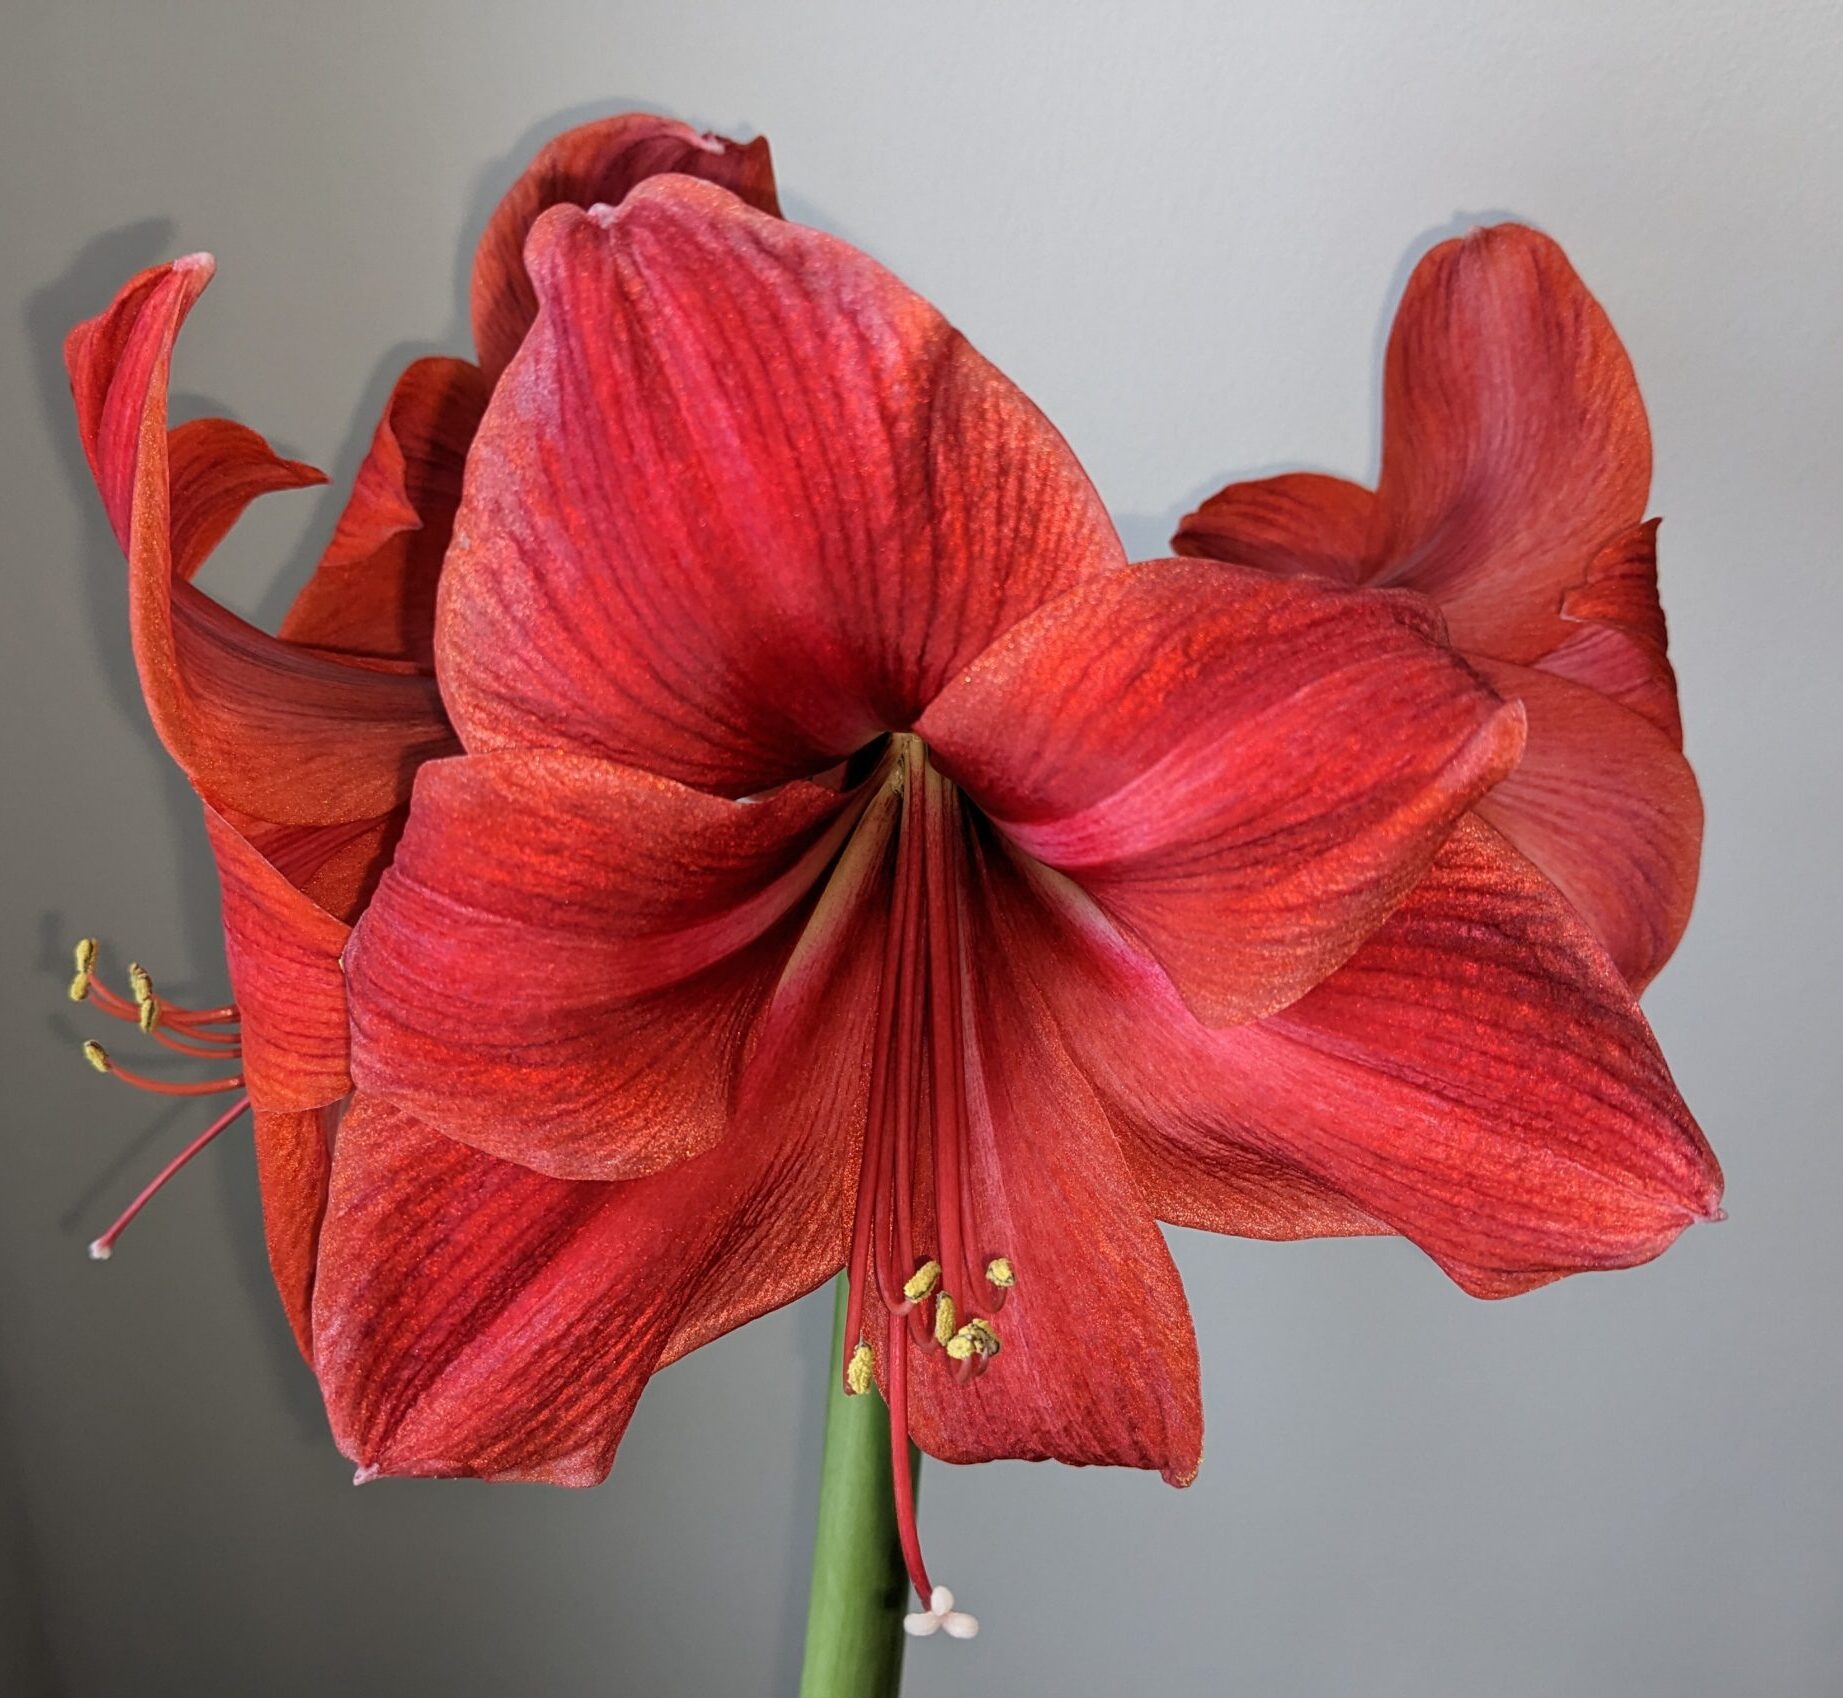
1514 440
742 502
373 592
1604 803
564 962
1247 773
1620 645
1477 1078
1298 524
594 164
283 951
294 1159
258 725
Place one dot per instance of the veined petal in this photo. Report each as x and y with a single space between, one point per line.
564 962
282 949
258 725
1604 803
373 592
1298 524
742 502
294 1159
1619 644
1477 1078
473 1317
1514 440
1247 773
598 163
1099 1361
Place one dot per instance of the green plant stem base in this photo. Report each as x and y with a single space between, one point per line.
854 1636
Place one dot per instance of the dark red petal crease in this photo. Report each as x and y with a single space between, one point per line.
1247 773
594 164
373 592
564 963
742 502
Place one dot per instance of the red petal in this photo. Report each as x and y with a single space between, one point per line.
563 964
283 952
257 725
1514 439
1606 806
374 589
1478 1077
475 1317
742 502
598 163
1299 524
1247 773
293 1162
1620 646
1099 1363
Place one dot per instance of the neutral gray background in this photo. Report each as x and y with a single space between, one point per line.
1182 229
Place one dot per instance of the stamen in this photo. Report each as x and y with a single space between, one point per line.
857 1372
943 1319
103 1248
85 957
922 1284
99 1058
998 1272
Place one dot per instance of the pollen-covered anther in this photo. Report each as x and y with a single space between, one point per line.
922 1282
944 1319
857 1372
85 956
999 1272
97 1056
976 1338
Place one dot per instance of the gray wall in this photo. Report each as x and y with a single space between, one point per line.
1181 229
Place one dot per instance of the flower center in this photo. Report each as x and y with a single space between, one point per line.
937 1279
207 1033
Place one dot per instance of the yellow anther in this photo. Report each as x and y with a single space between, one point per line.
923 1282
150 1014
140 983
97 1056
985 1340
999 1273
943 1319
85 956
857 1371
976 1338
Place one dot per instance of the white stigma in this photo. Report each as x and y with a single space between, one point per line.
99 1251
940 1616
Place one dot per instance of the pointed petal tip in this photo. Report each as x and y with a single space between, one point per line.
204 263
364 1474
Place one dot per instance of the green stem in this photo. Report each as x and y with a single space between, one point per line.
854 1634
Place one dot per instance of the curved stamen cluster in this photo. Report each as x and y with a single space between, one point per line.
917 1141
206 1033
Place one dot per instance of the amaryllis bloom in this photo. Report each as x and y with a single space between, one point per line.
303 746
1516 462
855 864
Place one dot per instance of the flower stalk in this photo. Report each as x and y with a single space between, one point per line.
854 1636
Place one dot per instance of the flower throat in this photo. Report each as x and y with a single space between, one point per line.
916 1242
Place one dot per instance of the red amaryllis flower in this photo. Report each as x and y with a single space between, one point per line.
845 838
1515 466
303 746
